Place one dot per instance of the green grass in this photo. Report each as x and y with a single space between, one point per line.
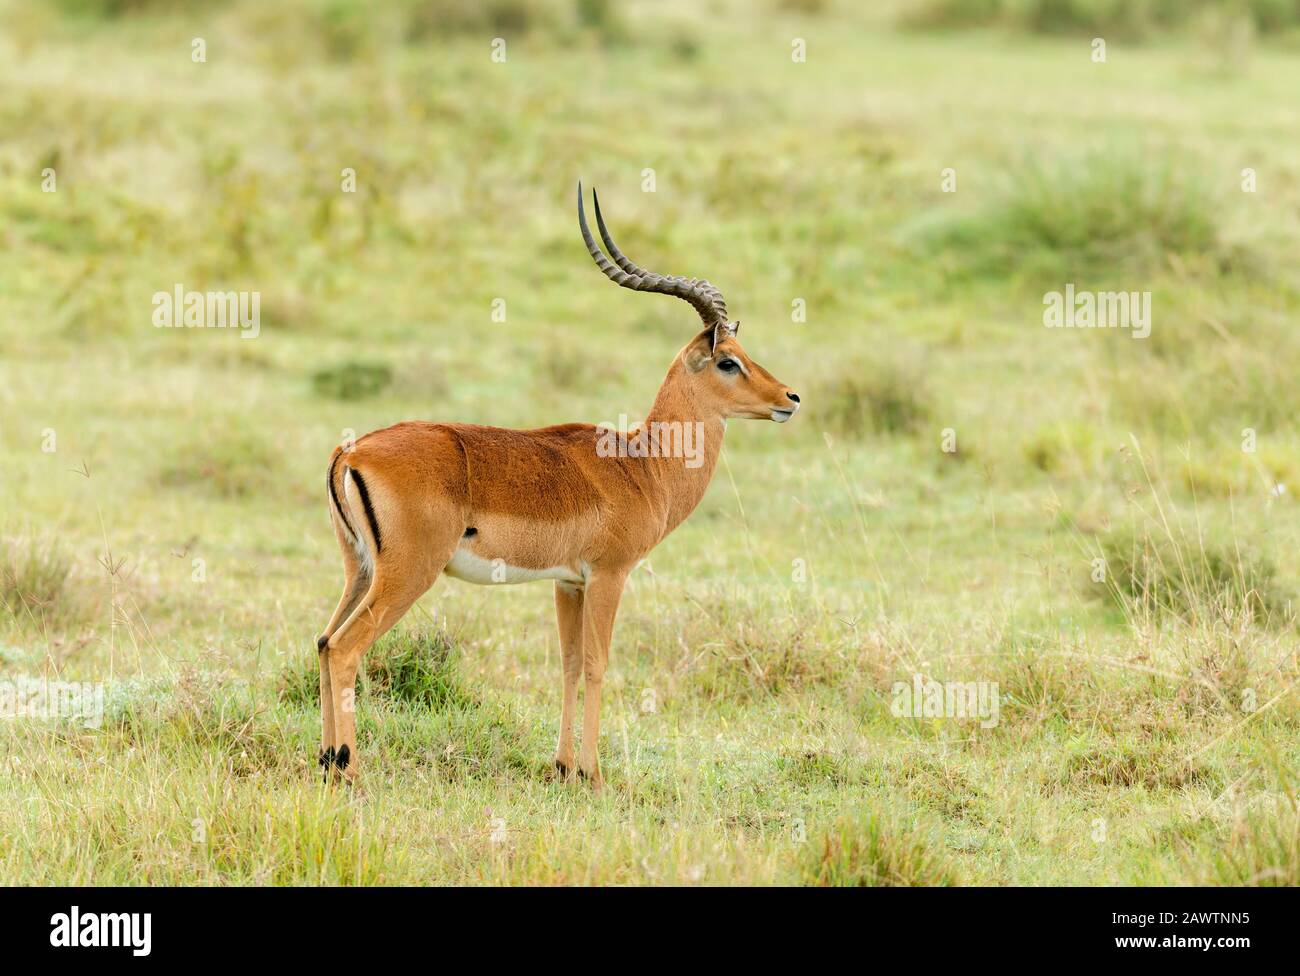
176 544
866 853
36 588
1108 209
1134 20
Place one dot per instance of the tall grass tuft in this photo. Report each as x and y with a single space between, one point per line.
1121 19
1160 574
408 668
232 461
875 851
353 380
37 586
1069 217
1262 846
889 398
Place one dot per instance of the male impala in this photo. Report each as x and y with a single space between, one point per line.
489 505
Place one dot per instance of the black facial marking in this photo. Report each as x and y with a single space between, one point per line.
471 531
365 503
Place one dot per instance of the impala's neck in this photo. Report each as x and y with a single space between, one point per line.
696 431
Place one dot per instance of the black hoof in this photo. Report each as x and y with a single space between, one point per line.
562 769
325 761
343 756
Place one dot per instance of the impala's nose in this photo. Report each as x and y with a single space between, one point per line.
782 414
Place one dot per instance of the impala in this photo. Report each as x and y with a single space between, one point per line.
491 505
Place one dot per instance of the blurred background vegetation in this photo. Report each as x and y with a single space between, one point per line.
780 180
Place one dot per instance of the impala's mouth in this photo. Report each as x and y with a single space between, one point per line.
781 416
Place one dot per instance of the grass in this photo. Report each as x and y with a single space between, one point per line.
1128 21
36 585
176 547
868 853
1151 577
351 381
1086 215
888 398
1261 850
411 668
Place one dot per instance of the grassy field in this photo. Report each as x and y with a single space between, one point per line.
163 524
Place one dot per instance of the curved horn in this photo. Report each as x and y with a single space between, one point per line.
704 298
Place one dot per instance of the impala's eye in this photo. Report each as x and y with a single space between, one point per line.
728 365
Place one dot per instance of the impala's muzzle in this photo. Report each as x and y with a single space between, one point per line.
783 413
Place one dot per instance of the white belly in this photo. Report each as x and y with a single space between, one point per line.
472 568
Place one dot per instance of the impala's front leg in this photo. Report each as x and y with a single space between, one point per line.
599 608
568 617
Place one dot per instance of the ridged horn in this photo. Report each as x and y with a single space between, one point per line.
704 298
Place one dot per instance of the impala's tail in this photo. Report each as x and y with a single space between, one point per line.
358 533
334 479
352 478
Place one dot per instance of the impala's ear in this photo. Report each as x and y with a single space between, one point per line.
723 330
700 352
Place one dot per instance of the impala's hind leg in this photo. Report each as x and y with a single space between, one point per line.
356 581
390 595
568 616
413 553
353 590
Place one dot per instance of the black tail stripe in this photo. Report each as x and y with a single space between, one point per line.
365 503
334 496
